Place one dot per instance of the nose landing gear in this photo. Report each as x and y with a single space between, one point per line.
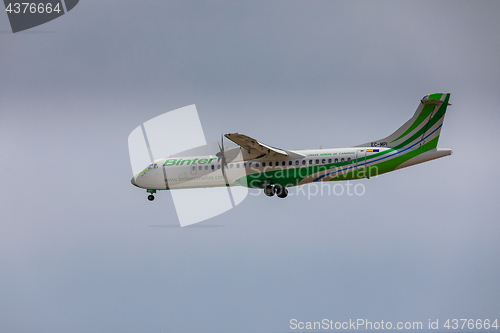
151 197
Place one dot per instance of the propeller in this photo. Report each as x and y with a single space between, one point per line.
222 158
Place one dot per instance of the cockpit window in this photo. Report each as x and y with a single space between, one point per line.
152 166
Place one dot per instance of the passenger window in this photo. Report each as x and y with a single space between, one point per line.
310 161
317 161
349 159
199 168
238 165
270 163
336 160
244 165
329 160
303 162
250 164
263 164
206 167
289 162
213 167
341 160
323 161
283 163
256 165
297 162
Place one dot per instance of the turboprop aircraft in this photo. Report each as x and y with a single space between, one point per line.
256 165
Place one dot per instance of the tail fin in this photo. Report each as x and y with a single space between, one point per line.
423 128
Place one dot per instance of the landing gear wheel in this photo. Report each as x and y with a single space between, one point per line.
269 190
281 192
151 197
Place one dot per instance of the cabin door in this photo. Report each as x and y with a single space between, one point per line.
361 163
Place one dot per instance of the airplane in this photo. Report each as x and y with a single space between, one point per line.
256 165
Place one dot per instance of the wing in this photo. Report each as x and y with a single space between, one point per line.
259 149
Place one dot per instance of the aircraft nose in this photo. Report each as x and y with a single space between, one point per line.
133 181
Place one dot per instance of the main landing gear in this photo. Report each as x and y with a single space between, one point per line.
281 192
151 197
270 190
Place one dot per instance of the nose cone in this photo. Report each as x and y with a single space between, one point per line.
133 181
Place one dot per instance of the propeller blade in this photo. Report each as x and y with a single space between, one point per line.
220 153
221 157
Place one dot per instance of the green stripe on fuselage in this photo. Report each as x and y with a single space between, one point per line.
390 165
290 177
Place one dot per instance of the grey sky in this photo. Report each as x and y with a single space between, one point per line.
82 250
